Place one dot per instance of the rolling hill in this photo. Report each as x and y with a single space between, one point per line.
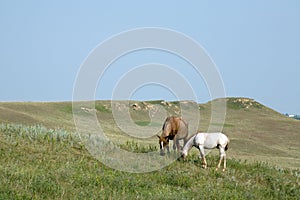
42 156
257 133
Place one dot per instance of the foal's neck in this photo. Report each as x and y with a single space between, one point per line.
189 144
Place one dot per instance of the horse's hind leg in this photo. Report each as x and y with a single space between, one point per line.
224 168
222 157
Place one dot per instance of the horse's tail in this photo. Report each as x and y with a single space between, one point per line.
226 147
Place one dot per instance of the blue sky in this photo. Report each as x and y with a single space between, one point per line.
254 44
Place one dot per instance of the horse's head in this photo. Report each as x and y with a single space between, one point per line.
183 154
163 142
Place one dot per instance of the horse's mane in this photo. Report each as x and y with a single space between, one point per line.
165 123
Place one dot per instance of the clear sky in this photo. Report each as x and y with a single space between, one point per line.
254 44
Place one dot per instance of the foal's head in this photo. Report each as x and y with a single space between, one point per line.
163 142
183 154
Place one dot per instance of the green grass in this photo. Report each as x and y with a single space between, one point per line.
102 108
257 133
147 123
41 163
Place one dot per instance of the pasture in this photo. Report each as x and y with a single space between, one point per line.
42 156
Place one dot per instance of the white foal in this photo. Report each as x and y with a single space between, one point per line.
208 141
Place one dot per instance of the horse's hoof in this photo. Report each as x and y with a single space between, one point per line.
223 170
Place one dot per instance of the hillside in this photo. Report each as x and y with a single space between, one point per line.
41 163
257 133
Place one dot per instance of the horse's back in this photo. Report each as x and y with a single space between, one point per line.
224 137
175 126
171 123
211 140
223 140
183 129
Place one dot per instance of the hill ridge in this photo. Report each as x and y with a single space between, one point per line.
256 131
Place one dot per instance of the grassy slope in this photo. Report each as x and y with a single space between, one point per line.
47 163
39 166
256 132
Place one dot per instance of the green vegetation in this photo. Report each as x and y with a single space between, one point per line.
102 108
41 163
257 133
147 123
142 123
42 156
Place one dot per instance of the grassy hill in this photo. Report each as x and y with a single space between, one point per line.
41 163
42 157
257 133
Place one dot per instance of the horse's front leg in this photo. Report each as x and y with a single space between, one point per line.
202 155
176 144
168 149
222 157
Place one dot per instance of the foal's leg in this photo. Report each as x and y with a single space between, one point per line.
222 157
224 167
202 154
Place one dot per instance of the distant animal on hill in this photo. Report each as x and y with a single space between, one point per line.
174 128
208 141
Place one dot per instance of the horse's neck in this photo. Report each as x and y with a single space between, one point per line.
189 144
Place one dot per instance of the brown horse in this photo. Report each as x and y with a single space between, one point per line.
174 128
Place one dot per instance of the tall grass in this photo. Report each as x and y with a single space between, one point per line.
41 163
37 133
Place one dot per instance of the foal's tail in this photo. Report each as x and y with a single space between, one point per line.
226 147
